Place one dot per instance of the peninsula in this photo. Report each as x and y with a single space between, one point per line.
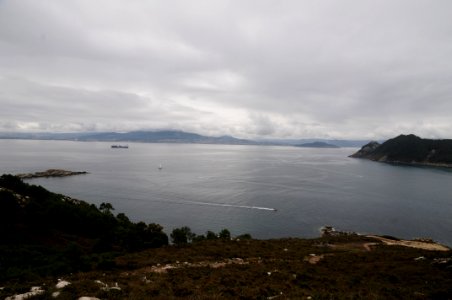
409 150
50 173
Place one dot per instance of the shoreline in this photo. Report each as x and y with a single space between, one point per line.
50 173
409 164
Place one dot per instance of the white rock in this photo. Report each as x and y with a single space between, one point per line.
34 291
62 284
55 294
101 283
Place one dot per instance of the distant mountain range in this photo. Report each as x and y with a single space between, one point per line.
295 142
164 136
317 145
409 149
175 136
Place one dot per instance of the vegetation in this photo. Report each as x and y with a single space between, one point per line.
340 267
45 235
409 149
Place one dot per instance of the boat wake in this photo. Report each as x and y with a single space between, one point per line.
230 205
188 202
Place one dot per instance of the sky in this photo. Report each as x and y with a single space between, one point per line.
349 69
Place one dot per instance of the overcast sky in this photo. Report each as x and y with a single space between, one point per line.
277 69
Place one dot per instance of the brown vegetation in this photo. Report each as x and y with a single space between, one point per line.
324 268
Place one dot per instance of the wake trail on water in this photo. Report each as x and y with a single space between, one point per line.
229 205
188 202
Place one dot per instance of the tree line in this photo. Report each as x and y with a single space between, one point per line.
46 233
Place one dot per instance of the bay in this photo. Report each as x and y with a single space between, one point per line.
269 192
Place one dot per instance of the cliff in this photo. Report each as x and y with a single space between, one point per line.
409 149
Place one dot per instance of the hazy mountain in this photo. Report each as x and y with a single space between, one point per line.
317 145
294 142
164 136
173 136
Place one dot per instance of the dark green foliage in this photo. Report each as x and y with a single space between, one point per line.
9 208
405 148
182 236
45 233
224 234
210 235
245 236
410 148
106 208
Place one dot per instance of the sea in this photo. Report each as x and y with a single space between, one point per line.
266 191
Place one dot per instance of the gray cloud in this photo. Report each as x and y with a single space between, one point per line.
339 69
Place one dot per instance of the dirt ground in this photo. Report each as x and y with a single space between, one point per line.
413 244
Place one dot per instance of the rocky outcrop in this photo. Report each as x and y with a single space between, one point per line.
50 173
366 150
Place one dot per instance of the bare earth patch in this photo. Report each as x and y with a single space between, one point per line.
214 265
432 246
313 258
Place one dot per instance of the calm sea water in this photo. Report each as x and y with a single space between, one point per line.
269 192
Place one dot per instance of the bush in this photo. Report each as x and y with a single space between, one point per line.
182 236
224 234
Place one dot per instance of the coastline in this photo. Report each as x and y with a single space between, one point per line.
50 173
409 164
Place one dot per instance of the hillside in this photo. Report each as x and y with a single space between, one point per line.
69 249
409 149
47 234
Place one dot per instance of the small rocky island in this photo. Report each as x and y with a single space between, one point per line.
317 145
50 173
410 150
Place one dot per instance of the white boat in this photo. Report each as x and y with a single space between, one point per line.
160 167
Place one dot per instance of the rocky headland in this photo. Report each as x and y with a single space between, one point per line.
50 173
409 150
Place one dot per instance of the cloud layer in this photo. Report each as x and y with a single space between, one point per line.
298 69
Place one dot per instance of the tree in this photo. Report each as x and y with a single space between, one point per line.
210 235
224 234
154 236
182 236
106 208
245 236
122 218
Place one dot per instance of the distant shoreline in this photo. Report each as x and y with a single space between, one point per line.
50 173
